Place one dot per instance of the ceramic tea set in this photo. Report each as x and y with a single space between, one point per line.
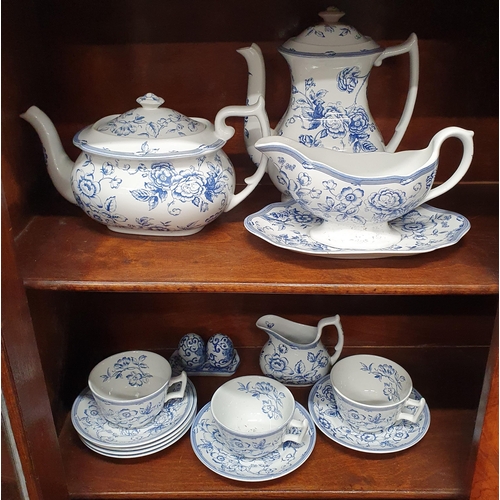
345 194
137 403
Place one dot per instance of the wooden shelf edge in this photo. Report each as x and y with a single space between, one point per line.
429 470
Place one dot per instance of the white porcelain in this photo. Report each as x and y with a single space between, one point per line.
425 229
330 64
372 393
254 415
220 350
397 437
151 170
131 387
92 427
191 350
213 453
217 357
294 353
358 195
154 447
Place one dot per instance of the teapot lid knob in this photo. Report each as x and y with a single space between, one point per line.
331 15
150 101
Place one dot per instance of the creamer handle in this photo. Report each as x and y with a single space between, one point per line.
466 137
334 320
225 132
411 46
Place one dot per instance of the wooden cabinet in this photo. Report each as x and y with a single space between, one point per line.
74 292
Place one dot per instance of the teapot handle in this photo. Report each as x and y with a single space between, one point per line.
466 137
334 320
411 46
225 132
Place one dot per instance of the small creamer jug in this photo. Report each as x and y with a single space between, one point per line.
294 354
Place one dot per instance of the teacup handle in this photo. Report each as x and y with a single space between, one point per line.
334 320
412 417
466 137
303 425
225 132
182 378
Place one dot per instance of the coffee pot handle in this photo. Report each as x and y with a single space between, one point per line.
334 320
411 46
466 137
225 132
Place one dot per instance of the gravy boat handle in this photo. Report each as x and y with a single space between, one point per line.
466 137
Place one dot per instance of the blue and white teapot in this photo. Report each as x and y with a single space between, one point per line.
151 170
330 64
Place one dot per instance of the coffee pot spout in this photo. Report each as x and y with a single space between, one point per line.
59 165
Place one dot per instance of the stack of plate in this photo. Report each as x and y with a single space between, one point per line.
101 436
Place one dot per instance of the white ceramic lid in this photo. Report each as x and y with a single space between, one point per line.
149 131
330 38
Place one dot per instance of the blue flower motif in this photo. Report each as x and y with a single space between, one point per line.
347 79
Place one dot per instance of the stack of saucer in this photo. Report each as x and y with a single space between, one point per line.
133 406
108 439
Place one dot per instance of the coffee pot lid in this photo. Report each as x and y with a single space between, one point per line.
330 38
150 131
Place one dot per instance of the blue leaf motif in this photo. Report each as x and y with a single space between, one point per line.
300 367
140 194
110 204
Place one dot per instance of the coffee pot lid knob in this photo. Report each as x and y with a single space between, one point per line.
331 15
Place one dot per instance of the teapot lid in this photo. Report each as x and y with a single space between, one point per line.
330 39
149 132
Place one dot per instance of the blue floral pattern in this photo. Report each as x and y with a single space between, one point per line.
399 436
105 189
275 361
269 396
424 229
91 424
213 452
131 368
332 124
393 382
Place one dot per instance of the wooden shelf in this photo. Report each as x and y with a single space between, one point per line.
76 253
436 467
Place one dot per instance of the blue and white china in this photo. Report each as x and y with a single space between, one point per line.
92 427
294 353
151 170
330 64
220 350
399 436
355 202
191 349
425 229
143 451
254 416
372 393
130 388
217 358
213 453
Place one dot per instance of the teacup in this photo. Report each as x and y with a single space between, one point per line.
254 416
372 393
131 387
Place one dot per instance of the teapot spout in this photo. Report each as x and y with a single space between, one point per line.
256 89
59 165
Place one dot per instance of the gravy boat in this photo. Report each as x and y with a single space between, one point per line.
358 194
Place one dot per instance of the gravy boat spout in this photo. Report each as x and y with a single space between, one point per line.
358 194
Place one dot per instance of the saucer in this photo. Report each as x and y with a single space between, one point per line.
94 428
208 447
424 229
149 449
398 437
